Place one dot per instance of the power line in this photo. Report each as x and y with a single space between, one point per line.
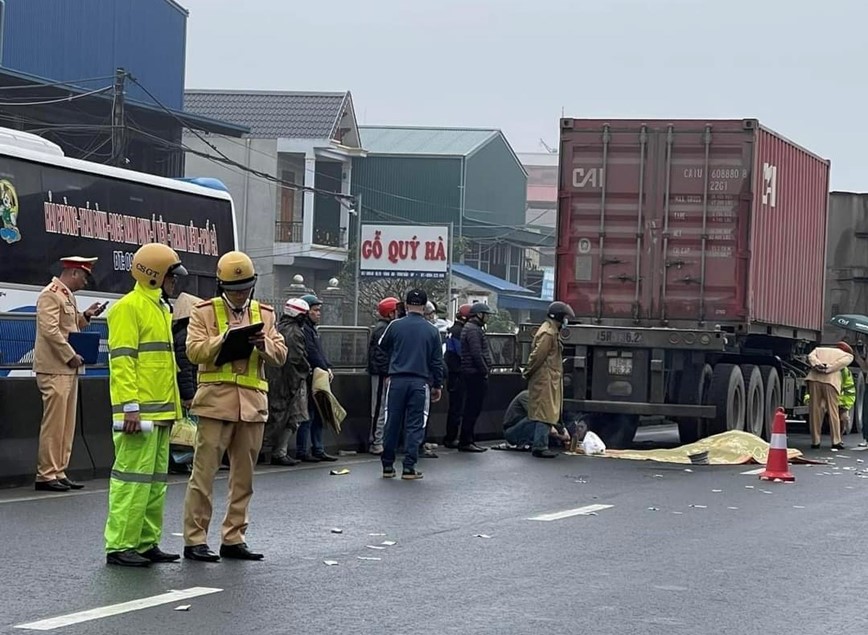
66 84
69 98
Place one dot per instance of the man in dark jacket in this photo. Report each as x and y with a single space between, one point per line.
288 382
415 376
454 384
476 364
310 431
181 457
378 369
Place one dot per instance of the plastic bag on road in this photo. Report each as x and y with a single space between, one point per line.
592 444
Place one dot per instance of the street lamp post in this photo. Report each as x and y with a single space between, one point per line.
358 214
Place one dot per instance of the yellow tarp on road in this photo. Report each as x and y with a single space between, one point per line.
729 448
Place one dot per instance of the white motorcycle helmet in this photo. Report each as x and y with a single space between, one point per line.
295 307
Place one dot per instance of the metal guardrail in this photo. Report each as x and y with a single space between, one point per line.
346 347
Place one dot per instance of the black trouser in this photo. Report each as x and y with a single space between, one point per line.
455 386
475 388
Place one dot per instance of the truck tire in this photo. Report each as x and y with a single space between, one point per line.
726 392
755 399
693 389
774 398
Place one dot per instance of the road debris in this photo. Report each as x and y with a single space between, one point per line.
183 607
716 491
733 508
653 509
341 472
377 547
481 536
336 530
330 563
377 535
688 470
678 513
388 543
749 487
658 476
700 506
798 506
368 558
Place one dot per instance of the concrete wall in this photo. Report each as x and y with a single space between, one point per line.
256 199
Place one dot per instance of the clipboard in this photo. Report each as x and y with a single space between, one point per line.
236 345
86 345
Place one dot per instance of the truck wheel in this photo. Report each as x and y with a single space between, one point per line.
755 399
774 398
726 392
693 390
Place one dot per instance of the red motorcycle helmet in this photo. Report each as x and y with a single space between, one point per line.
464 312
387 306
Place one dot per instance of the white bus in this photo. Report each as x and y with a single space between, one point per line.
53 206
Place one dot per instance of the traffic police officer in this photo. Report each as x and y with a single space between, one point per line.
144 393
57 367
232 406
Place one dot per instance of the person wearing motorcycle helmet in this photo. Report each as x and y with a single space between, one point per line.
310 432
232 405
144 388
378 369
454 382
545 378
287 384
476 362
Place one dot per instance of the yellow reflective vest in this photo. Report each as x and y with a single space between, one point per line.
224 374
142 364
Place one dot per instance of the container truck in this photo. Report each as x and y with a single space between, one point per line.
693 253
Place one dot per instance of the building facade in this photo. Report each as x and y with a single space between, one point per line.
294 203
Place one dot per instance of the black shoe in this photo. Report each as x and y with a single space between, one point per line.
284 460
815 446
155 554
127 558
544 454
202 553
326 457
839 446
70 484
472 447
239 552
50 486
452 445
308 458
388 472
411 475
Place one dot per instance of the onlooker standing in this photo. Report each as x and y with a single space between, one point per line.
181 457
415 376
57 366
311 431
454 382
232 405
824 388
378 369
545 376
287 384
476 364
143 381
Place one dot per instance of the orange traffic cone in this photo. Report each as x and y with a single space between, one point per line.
777 465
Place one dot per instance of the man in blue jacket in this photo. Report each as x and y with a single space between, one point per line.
311 430
415 370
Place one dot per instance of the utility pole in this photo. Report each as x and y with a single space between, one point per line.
358 257
118 123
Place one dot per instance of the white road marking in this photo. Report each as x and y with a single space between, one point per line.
568 513
117 609
759 470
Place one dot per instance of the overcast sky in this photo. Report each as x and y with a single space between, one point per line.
799 66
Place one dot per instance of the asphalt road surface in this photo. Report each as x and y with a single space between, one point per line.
712 550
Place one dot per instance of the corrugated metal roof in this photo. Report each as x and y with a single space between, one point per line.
487 280
454 142
272 115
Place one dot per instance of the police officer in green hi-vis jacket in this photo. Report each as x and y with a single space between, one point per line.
145 402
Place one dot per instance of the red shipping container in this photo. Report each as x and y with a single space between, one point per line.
691 224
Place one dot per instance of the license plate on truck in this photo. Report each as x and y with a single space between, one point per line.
620 366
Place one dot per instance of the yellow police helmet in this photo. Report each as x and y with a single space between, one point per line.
235 271
153 262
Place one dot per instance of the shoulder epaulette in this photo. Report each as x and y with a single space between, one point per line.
202 305
266 307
